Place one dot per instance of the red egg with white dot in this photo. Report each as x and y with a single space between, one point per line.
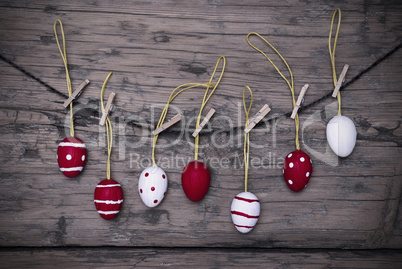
108 198
195 180
71 156
297 170
152 186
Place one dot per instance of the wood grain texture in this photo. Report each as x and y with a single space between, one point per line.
197 258
152 47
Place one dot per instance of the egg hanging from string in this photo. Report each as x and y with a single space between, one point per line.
297 170
108 198
341 131
71 152
341 135
152 186
245 211
297 166
108 195
245 207
71 156
195 180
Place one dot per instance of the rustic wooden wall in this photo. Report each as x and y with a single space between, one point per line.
348 216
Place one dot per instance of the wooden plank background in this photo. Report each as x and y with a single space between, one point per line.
350 205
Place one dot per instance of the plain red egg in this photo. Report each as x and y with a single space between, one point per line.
195 180
297 170
108 198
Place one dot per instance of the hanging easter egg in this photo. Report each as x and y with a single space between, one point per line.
152 186
245 211
341 135
108 198
195 180
71 156
297 170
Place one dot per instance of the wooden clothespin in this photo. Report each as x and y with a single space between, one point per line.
108 108
257 118
299 100
76 93
166 125
341 79
204 122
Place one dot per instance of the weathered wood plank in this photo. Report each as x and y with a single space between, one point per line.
50 225
153 47
197 258
185 58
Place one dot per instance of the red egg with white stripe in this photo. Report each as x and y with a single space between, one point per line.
108 198
245 211
71 156
152 186
297 170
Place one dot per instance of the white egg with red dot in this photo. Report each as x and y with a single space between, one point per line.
152 186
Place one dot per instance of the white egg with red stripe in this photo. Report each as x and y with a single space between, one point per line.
245 211
71 156
152 186
108 198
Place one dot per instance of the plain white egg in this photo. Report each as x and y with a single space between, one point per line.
341 135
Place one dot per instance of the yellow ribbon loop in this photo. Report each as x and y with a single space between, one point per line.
206 98
181 89
332 53
64 57
290 84
109 131
247 135
172 96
